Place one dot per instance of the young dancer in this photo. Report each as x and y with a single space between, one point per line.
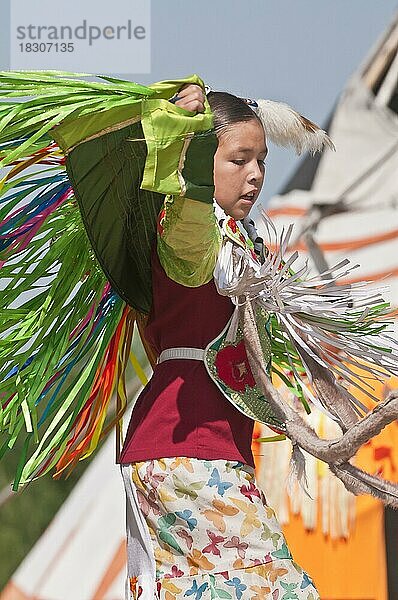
138 212
194 508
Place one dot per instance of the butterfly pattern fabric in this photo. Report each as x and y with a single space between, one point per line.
213 534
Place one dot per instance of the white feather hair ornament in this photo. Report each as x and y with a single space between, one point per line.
286 127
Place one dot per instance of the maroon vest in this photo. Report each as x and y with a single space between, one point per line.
181 412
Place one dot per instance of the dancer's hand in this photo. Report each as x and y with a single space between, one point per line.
191 97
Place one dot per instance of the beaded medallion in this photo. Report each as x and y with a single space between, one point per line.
228 366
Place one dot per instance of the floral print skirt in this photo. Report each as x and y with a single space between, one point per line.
212 534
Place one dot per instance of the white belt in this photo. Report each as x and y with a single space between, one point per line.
187 353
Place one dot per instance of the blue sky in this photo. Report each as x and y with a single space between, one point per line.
298 51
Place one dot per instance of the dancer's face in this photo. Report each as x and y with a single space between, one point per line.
239 167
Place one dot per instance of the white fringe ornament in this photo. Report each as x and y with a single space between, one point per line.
325 494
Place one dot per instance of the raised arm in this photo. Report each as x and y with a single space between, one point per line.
188 235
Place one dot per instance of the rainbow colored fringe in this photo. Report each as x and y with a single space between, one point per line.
65 335
68 332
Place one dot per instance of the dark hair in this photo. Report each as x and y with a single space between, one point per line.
228 109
